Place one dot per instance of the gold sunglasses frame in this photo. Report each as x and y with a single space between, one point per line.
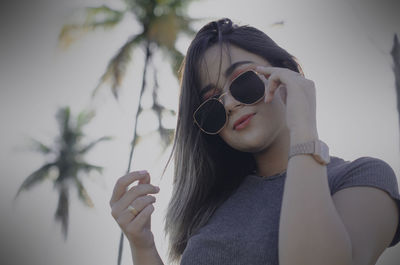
222 95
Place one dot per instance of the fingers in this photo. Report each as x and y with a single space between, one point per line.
277 77
146 179
284 73
132 194
138 222
124 181
273 83
126 216
122 198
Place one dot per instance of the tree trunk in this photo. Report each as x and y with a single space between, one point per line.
396 69
134 139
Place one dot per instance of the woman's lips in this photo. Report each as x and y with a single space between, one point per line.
243 121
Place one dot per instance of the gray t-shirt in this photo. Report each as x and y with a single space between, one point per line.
244 229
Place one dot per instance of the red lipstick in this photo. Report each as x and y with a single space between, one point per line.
242 121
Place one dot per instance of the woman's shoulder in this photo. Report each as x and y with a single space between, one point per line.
366 166
363 171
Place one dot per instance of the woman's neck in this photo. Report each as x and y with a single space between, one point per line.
274 159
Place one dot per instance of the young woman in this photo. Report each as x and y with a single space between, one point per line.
253 183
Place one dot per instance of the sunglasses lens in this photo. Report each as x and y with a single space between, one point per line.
211 116
247 88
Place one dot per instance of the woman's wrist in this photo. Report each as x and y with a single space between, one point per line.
305 135
145 256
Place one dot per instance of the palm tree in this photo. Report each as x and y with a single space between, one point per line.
64 170
161 22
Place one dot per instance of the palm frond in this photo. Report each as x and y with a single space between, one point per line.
35 178
70 33
117 65
62 211
163 30
96 17
157 107
40 147
167 136
88 167
185 24
84 117
176 58
83 195
142 9
103 16
92 144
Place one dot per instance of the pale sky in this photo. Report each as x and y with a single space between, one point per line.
343 45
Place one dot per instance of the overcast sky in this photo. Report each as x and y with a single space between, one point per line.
343 45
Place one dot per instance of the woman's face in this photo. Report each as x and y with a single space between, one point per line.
267 120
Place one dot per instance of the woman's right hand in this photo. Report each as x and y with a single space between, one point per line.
136 228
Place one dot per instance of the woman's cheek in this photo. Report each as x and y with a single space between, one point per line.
225 137
230 140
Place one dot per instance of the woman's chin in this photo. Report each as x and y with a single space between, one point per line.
251 144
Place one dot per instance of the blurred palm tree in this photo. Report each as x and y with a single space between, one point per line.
161 21
67 163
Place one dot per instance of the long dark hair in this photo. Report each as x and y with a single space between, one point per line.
207 170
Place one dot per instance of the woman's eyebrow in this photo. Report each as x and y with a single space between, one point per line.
228 72
233 66
205 89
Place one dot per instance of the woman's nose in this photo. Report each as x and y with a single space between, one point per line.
230 103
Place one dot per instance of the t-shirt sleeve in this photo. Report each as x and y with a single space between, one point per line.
368 171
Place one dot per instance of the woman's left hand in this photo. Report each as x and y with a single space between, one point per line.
300 101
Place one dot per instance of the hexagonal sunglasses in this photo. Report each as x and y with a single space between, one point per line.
247 88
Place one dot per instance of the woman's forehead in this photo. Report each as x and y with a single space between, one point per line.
219 63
